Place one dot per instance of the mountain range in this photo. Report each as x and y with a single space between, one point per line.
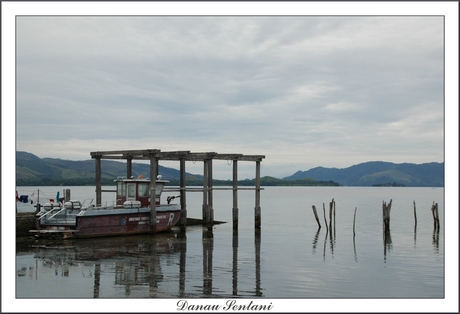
34 171
379 173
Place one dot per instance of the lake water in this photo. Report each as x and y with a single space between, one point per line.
289 258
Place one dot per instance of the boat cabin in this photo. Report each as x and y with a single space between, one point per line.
137 190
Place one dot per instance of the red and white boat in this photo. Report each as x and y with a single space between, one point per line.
130 213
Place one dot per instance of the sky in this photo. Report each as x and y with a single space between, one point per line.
302 90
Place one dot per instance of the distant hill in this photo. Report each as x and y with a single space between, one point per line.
379 173
34 171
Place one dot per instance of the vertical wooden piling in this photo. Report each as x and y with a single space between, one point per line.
235 194
183 199
98 181
354 220
205 214
66 195
316 216
386 214
434 210
415 215
153 177
129 166
257 211
325 220
210 199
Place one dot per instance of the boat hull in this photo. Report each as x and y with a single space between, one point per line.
116 222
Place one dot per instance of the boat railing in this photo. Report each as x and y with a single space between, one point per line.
48 213
58 216
86 199
106 205
59 211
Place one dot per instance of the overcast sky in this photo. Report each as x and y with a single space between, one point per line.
305 91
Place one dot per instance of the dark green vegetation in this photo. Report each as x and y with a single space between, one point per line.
34 171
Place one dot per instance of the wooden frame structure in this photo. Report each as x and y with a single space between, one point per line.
155 155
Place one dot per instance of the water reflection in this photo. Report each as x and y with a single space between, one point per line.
208 246
137 263
436 238
387 243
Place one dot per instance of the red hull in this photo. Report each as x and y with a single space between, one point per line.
117 224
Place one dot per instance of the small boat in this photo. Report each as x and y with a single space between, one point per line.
129 214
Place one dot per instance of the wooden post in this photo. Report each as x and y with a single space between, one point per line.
354 220
67 195
205 192
210 221
98 181
153 177
183 200
325 220
316 216
129 166
235 194
434 210
386 214
415 215
354 242
257 211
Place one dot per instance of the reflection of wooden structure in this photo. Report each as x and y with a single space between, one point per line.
145 264
155 155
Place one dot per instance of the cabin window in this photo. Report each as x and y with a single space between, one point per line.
143 189
121 191
131 190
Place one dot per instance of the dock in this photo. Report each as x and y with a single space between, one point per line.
156 155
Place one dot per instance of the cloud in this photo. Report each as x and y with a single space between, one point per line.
301 90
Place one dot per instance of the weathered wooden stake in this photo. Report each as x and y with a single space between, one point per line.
415 215
325 220
330 213
386 214
334 210
434 210
316 216
354 220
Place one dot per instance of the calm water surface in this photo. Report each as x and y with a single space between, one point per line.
289 258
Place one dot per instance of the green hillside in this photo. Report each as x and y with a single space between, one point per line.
33 171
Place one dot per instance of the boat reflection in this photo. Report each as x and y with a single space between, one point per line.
139 262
